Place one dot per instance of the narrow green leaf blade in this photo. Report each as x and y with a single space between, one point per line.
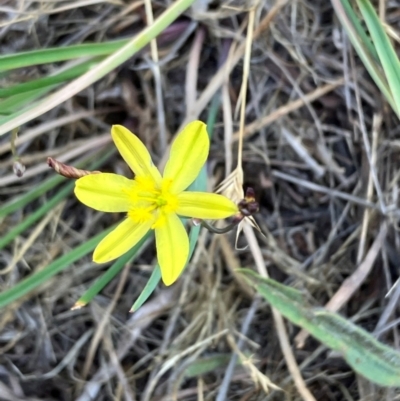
35 216
17 204
384 48
57 54
362 45
367 356
33 281
46 81
208 364
111 272
148 289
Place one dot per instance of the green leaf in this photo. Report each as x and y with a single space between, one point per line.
156 274
367 356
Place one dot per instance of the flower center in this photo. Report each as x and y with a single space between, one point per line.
151 203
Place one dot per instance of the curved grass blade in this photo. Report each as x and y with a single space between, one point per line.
33 194
367 356
44 82
55 200
52 182
156 274
148 289
385 50
33 281
35 216
103 68
362 45
356 23
111 272
11 106
57 54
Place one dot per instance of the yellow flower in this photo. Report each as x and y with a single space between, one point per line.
153 201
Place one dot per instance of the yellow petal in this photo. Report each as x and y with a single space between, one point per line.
125 236
135 153
203 205
188 154
172 248
105 192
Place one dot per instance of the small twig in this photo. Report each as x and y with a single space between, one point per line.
18 167
255 126
105 318
155 67
302 152
224 386
376 125
280 327
193 69
91 147
329 191
367 145
227 109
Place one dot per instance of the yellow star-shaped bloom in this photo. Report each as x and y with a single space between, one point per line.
152 201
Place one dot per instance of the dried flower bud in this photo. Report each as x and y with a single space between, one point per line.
248 206
18 168
68 171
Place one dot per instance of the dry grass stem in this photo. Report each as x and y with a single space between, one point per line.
278 319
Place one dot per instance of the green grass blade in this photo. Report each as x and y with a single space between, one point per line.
18 204
111 272
385 50
362 47
359 30
208 364
156 274
35 216
148 289
57 54
367 356
103 68
11 107
40 83
33 281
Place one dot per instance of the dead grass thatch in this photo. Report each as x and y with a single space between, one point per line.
328 211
